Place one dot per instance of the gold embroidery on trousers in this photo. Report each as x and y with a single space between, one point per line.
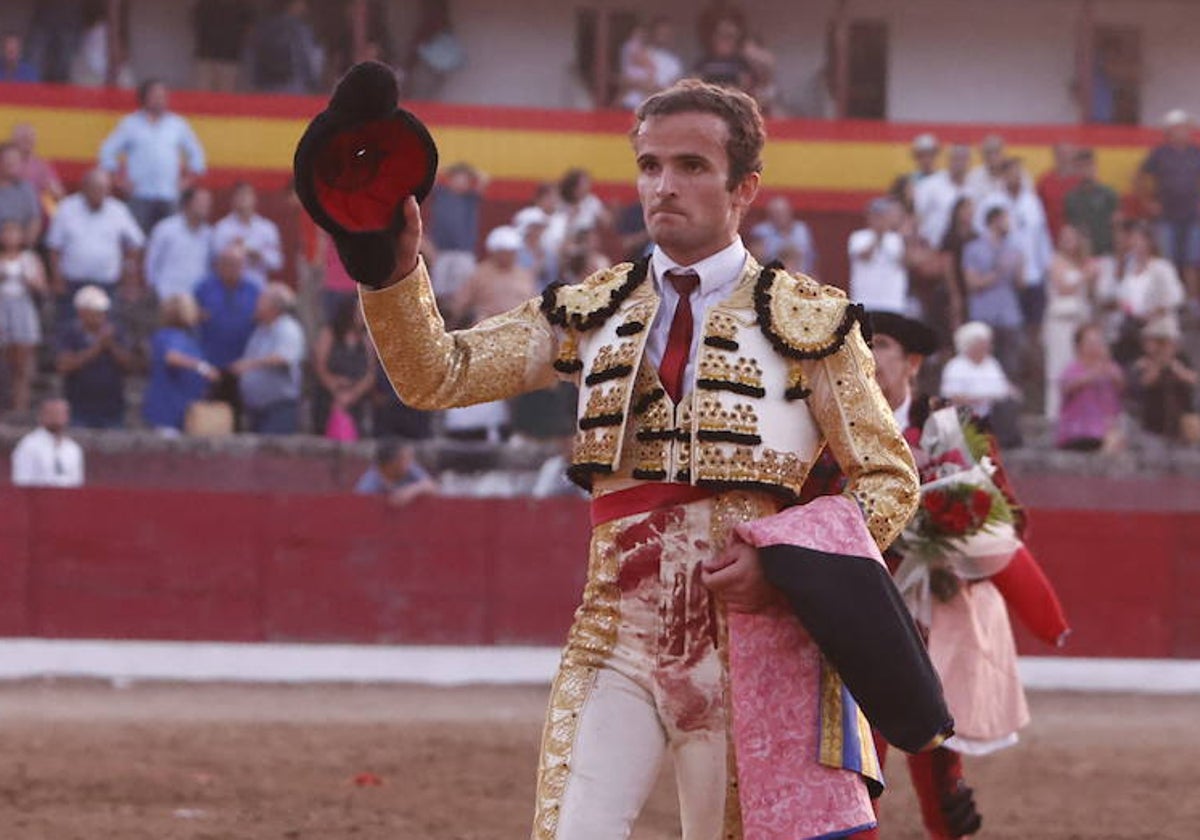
592 639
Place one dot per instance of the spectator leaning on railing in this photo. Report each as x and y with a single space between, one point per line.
13 66
395 475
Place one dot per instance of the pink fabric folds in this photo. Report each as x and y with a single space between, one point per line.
828 523
971 645
775 674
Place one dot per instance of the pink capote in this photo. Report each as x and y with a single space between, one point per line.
775 672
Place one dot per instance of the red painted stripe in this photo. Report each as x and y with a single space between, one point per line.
279 567
284 106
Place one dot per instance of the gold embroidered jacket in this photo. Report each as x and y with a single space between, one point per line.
782 371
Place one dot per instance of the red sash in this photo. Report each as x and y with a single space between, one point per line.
643 498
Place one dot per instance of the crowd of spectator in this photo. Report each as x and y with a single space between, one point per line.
730 54
1060 297
1056 296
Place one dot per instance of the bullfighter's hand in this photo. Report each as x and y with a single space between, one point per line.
736 577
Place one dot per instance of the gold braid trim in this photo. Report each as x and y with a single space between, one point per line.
801 318
592 639
862 433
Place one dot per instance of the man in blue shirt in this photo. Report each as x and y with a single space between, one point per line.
227 301
993 267
13 66
454 227
1175 168
395 475
152 141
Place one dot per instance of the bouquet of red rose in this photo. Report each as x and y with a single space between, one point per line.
963 529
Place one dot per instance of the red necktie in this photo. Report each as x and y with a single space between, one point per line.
679 339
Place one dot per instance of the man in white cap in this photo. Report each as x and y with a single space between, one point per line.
498 283
1166 382
925 149
531 223
93 359
1173 190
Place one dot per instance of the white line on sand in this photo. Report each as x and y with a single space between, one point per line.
438 665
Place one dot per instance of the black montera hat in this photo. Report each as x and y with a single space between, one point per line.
913 335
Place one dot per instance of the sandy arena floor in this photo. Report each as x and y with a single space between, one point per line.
160 762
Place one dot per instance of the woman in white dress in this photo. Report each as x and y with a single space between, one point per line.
1069 296
21 276
1149 291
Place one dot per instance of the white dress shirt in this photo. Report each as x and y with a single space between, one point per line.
258 235
178 256
42 459
719 275
91 243
933 202
878 278
903 412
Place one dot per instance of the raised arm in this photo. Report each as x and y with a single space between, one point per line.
430 368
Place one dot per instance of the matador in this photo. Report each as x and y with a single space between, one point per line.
708 386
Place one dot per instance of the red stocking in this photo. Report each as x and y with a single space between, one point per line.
947 807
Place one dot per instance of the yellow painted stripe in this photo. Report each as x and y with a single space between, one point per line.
75 135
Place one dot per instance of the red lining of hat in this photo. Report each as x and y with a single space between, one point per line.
363 173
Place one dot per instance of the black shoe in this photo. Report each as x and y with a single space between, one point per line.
958 807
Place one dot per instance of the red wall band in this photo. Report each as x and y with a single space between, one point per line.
154 564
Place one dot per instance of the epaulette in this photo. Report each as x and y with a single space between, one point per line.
802 318
586 305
